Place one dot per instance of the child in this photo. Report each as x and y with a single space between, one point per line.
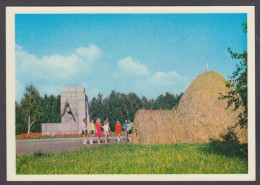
85 131
98 126
125 129
91 131
106 129
130 130
118 128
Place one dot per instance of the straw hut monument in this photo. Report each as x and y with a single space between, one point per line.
200 116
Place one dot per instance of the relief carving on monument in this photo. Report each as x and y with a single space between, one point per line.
67 115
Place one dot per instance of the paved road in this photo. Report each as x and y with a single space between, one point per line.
55 145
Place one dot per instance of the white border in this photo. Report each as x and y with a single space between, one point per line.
10 92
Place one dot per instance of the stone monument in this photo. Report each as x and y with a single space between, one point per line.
74 108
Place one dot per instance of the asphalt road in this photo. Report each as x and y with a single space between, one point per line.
56 145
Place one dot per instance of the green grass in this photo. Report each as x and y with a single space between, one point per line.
206 158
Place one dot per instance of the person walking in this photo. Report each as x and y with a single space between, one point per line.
125 129
130 130
98 126
85 131
106 129
118 128
91 131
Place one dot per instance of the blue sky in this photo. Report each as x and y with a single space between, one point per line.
148 54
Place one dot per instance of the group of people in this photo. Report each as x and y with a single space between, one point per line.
92 129
128 129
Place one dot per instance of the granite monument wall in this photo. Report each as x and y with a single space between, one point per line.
74 108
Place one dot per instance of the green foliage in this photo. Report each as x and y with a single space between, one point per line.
20 124
166 102
120 106
244 25
147 104
238 80
205 158
31 108
41 109
51 109
96 108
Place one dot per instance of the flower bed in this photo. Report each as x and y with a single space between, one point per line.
39 135
67 135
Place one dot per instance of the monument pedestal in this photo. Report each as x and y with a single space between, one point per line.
74 108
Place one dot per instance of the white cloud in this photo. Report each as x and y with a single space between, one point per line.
49 73
131 67
148 84
165 78
161 82
56 66
91 53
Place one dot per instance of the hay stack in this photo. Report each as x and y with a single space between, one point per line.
200 116
203 114
157 127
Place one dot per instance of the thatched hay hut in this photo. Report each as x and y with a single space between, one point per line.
200 116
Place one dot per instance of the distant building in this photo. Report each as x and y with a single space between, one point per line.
74 108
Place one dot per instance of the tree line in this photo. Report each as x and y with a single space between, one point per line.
33 109
120 106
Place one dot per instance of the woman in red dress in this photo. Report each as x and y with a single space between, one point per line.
118 128
98 126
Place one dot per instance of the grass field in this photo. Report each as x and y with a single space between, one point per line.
206 158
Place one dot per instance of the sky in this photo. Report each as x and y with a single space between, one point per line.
148 54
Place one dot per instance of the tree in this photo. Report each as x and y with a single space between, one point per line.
20 127
51 109
96 108
178 97
120 106
31 107
113 108
167 101
146 104
237 96
134 104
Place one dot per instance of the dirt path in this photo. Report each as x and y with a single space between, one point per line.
55 145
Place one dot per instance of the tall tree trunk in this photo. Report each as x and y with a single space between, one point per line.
29 124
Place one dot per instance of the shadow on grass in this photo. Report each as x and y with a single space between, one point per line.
230 136
227 149
228 145
39 154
